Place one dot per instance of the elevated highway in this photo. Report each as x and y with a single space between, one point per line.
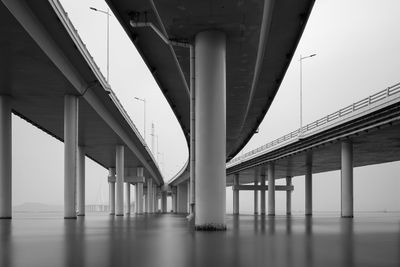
219 65
363 133
49 79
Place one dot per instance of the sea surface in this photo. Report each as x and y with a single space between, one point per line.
98 239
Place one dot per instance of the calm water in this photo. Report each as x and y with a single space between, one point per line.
166 240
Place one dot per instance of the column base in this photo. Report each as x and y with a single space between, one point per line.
210 227
347 216
119 215
112 213
73 217
271 214
5 218
308 214
288 213
255 213
81 215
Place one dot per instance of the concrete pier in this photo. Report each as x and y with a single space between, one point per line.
288 196
308 186
182 198
255 196
235 195
347 179
5 158
127 198
149 196
111 185
271 189
70 154
210 127
119 184
81 182
139 186
262 193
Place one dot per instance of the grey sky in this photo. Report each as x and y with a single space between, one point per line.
357 45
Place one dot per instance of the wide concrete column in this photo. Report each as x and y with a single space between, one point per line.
127 198
174 200
271 189
139 186
255 196
262 194
210 129
81 181
308 186
288 196
111 185
149 196
182 197
120 168
70 154
347 179
139 204
5 158
155 203
235 194
164 201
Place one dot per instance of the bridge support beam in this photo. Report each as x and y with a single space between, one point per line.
263 194
210 130
81 181
127 198
70 154
119 209
289 196
308 186
5 158
149 196
111 185
347 180
235 195
255 196
271 189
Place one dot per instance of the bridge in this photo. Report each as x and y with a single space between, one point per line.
363 133
49 79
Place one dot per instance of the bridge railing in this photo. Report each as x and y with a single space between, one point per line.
380 96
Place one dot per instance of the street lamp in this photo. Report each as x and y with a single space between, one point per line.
301 90
144 115
108 38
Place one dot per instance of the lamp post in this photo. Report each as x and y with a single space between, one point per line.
144 115
108 38
301 90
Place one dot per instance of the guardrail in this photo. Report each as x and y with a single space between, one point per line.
362 104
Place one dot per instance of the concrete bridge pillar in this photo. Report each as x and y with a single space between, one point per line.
235 194
119 209
127 198
81 181
288 196
347 180
155 199
111 185
139 191
255 196
210 130
149 196
182 197
174 200
271 189
263 194
164 201
308 186
70 154
5 158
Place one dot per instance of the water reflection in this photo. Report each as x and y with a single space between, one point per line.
168 240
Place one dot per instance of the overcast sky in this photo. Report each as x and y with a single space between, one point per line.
357 46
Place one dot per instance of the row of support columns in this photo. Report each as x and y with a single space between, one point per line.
347 209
